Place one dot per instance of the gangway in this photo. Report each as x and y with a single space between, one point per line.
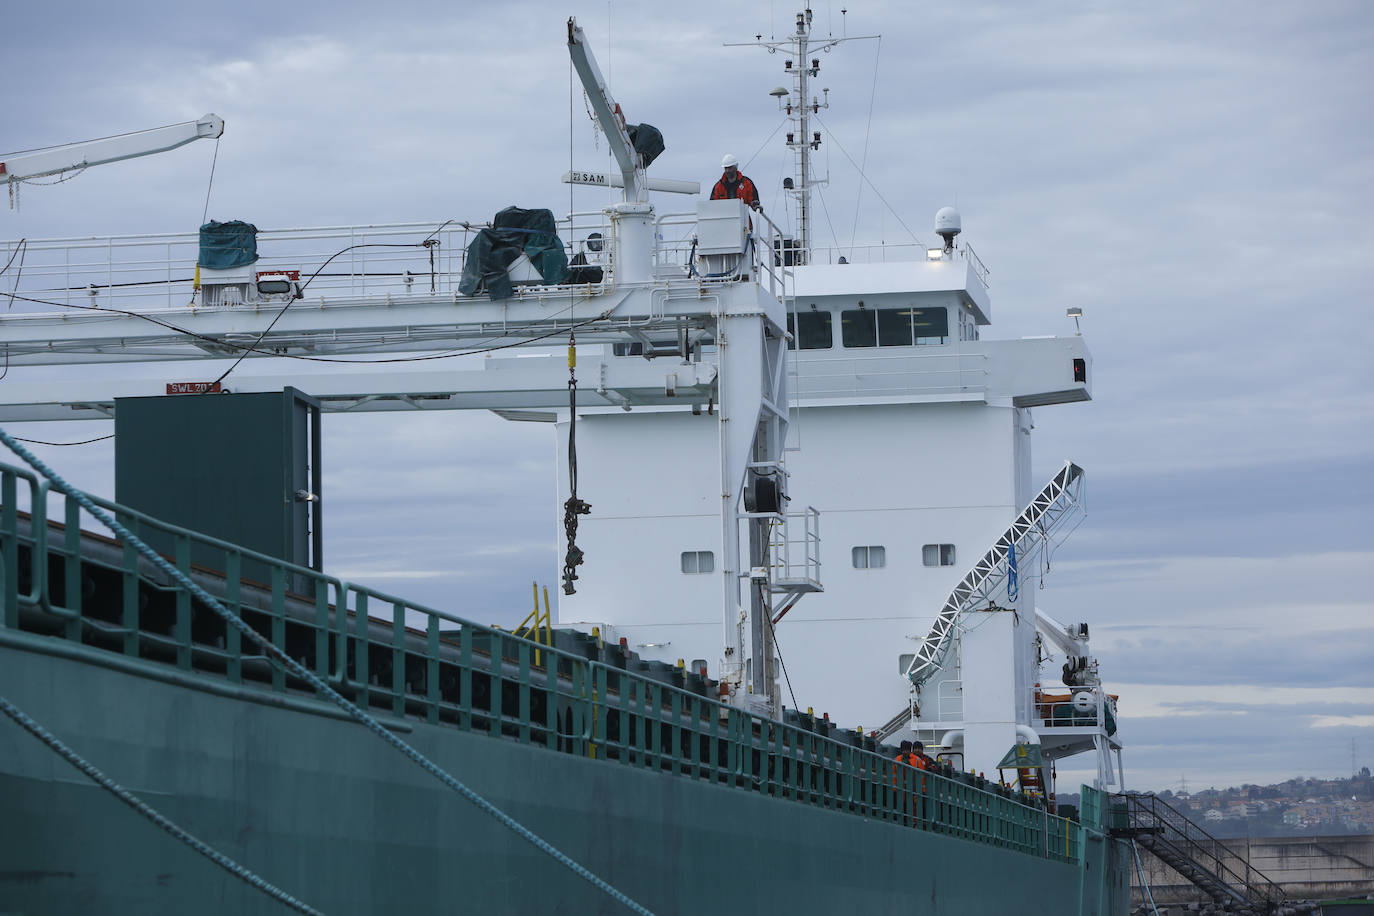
1059 501
1178 842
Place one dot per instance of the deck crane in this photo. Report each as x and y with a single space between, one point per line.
18 167
1080 668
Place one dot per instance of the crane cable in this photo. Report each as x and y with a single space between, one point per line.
574 506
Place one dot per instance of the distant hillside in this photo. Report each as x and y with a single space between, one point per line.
1298 807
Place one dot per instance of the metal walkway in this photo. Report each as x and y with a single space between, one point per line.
1059 500
1178 842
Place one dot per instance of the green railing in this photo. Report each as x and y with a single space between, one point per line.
417 663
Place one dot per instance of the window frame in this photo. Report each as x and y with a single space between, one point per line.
696 558
870 553
850 318
945 555
795 321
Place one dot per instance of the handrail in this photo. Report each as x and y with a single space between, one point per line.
1164 824
420 663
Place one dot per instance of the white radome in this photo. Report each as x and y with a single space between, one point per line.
947 224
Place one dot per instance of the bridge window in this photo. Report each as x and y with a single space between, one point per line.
869 557
858 328
811 331
698 561
931 326
968 327
902 327
938 555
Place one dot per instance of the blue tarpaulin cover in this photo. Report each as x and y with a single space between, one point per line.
225 245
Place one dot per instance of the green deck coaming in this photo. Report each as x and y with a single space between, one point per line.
334 816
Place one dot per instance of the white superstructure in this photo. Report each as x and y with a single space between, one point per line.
909 454
910 436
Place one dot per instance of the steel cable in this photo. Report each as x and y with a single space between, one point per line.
298 670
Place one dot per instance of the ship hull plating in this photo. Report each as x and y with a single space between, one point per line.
324 810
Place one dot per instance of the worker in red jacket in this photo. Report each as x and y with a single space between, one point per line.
733 185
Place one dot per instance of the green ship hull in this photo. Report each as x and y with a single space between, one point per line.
322 809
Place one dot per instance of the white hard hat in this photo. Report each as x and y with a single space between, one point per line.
728 161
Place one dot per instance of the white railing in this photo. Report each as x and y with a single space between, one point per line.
397 260
885 252
796 548
1071 707
949 702
674 252
149 271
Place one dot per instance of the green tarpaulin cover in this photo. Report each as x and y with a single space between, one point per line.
226 245
647 141
513 231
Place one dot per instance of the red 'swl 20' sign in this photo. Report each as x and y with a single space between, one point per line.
193 387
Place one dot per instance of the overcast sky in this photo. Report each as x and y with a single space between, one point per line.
1196 177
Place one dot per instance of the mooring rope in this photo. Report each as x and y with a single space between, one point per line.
133 801
305 674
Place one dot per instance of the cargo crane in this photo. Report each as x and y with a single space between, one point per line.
27 165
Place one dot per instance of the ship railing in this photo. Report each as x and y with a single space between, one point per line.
1073 707
884 252
1183 844
91 596
942 372
949 700
397 260
769 258
796 548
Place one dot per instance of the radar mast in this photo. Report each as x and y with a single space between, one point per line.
800 104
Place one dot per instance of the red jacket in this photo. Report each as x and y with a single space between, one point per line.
743 189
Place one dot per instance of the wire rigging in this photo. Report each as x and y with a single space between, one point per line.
21 251
868 133
82 442
778 649
214 159
301 294
865 177
826 209
763 144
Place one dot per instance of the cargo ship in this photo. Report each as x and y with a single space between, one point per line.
686 730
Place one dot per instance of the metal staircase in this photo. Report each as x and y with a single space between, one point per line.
1059 500
1201 859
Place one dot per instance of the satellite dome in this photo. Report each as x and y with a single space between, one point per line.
947 225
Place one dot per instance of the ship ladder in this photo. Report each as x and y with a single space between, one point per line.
536 625
1030 780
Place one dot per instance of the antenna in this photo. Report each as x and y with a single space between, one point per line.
801 103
